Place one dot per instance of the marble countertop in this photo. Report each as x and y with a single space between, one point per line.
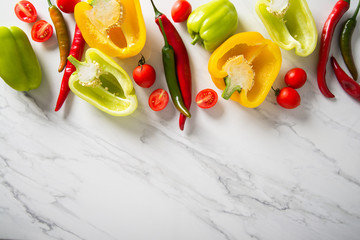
233 173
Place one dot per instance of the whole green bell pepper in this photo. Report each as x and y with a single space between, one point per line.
212 23
100 81
19 66
290 24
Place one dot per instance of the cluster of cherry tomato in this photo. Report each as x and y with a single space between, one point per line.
144 74
41 31
288 97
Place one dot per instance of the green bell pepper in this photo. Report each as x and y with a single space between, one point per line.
290 24
19 66
100 81
212 23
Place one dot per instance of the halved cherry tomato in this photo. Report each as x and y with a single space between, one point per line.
181 10
206 98
41 31
25 11
295 78
158 99
288 98
67 6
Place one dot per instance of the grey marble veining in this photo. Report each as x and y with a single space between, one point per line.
234 173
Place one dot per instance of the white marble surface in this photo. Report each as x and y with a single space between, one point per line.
233 173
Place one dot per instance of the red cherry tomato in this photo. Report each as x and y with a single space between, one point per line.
158 99
295 78
288 98
41 31
67 6
181 10
206 98
144 75
25 11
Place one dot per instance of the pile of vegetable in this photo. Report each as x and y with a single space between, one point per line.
243 65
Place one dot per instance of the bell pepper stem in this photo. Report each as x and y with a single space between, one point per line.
157 12
196 39
74 61
230 88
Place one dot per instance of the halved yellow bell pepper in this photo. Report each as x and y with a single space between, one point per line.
114 27
245 66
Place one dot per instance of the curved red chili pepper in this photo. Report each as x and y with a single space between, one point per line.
182 62
76 50
350 86
337 12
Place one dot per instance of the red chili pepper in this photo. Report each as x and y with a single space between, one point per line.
76 50
337 12
182 61
350 86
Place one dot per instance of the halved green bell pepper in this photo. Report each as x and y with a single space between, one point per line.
212 23
290 24
19 66
100 81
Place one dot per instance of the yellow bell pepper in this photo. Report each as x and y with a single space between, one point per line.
115 27
245 66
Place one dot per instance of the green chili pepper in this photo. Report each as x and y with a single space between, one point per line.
100 81
345 43
168 57
212 23
19 66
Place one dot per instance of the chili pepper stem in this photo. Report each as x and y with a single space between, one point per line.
157 12
49 2
356 11
163 33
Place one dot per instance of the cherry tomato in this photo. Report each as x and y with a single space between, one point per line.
181 10
158 99
41 31
25 11
288 98
67 6
295 78
206 98
144 74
